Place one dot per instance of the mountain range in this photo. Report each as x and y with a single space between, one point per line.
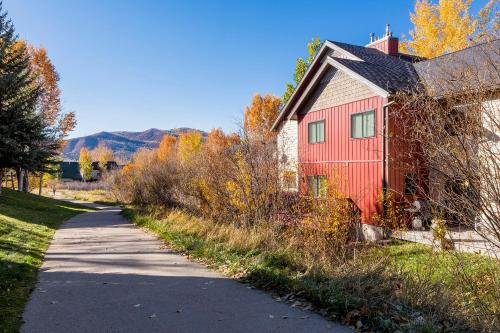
123 144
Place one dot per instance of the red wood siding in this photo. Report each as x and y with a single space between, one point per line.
355 165
404 156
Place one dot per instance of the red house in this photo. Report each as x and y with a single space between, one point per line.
332 127
336 126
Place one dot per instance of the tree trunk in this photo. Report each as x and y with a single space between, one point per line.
25 182
41 181
12 180
20 179
1 179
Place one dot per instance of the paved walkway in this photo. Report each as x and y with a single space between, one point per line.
102 274
463 241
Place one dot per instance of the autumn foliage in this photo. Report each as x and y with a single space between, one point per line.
85 162
261 114
166 147
103 155
447 26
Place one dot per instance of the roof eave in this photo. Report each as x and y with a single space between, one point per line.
326 45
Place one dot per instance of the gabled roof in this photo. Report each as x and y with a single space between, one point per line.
473 67
385 74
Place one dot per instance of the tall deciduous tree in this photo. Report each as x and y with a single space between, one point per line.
103 155
49 102
23 138
301 66
85 162
48 107
261 114
448 26
218 140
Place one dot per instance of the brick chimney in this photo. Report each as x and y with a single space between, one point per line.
387 44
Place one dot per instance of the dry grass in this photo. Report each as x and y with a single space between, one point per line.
400 286
93 195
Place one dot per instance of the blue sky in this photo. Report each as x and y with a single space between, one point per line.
133 65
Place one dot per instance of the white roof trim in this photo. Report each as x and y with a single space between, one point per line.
312 84
319 54
331 62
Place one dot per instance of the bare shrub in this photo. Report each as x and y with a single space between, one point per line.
452 125
147 180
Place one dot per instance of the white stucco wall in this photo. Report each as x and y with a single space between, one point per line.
288 148
489 155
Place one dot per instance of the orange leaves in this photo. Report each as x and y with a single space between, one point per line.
260 116
47 78
218 140
166 148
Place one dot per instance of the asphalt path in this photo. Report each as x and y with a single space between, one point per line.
103 274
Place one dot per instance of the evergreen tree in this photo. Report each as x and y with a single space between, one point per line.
25 142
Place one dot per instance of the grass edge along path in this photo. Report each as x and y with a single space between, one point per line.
400 286
27 224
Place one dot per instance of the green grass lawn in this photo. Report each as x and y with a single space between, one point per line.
27 224
396 287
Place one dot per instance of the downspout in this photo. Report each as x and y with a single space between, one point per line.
385 154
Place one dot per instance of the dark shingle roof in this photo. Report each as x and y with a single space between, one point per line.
387 78
408 73
392 73
473 67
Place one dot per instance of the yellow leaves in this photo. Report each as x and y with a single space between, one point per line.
440 28
85 162
103 155
189 143
260 116
235 195
489 22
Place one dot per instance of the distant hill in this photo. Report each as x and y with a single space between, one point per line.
123 144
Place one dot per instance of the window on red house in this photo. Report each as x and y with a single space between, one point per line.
363 124
316 132
317 185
